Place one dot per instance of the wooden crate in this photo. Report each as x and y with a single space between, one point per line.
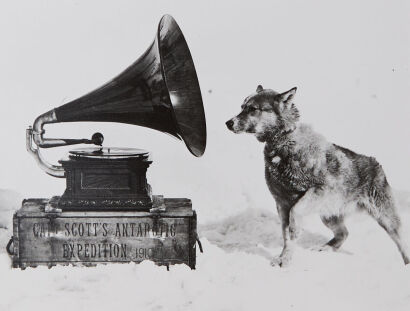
88 238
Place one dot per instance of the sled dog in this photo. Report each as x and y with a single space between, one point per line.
303 170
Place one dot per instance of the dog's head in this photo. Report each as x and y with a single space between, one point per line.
266 111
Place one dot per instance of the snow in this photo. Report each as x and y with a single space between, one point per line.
351 71
233 273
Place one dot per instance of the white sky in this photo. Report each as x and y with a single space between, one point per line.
349 59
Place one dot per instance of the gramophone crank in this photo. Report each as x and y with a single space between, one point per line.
108 185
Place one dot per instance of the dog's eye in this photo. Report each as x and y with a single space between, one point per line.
251 108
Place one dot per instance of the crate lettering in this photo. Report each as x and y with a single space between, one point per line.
98 237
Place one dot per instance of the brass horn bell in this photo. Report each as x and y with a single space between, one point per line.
160 91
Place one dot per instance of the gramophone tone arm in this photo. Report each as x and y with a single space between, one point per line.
53 170
36 133
50 117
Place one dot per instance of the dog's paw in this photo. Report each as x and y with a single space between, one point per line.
322 248
276 261
281 261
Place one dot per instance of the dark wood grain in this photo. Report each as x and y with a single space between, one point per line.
105 183
84 238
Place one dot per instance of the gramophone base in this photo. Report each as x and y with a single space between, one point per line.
105 179
98 204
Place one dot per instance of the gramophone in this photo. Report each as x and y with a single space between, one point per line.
107 212
160 91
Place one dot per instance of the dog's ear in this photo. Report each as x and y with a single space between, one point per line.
259 88
287 97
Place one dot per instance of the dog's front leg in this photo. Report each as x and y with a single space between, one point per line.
288 243
293 226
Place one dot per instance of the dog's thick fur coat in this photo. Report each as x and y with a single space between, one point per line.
303 170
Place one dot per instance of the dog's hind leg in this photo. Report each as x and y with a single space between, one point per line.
336 224
389 220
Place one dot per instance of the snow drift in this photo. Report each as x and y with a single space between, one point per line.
233 273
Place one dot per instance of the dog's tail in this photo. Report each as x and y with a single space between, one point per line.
383 209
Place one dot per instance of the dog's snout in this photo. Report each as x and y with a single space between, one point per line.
229 124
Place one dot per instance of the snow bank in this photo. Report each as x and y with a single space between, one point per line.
232 274
254 231
10 201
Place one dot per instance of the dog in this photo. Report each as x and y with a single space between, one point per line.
303 170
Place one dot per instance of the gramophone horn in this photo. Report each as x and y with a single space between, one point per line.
160 91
